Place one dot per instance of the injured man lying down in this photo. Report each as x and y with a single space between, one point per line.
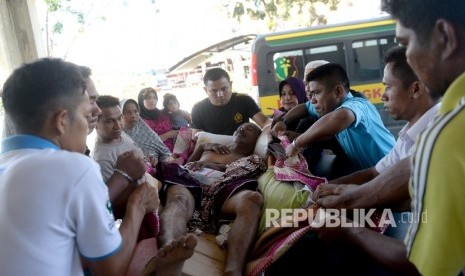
210 160
232 196
215 173
224 165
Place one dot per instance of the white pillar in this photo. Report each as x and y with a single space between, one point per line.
19 38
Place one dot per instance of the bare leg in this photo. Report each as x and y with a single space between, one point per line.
170 258
246 206
175 215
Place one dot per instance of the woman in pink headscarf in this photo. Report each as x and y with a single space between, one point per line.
155 118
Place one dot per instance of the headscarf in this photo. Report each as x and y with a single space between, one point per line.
144 112
145 138
123 103
297 86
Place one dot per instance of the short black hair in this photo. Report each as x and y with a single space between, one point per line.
85 71
421 15
332 73
36 89
400 68
215 74
105 101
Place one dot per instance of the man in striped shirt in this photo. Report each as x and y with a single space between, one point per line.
434 34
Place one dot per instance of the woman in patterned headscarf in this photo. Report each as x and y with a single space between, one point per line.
145 138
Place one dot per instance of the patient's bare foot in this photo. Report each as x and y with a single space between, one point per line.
170 258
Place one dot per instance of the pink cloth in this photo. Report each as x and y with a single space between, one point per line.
295 169
153 221
184 146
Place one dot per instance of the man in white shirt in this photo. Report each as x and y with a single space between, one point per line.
55 205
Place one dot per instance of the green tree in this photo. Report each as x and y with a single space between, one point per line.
82 13
276 11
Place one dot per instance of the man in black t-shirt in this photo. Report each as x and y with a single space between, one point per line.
223 111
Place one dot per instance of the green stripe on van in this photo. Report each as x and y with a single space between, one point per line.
302 37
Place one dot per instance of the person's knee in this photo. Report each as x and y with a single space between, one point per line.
183 200
250 201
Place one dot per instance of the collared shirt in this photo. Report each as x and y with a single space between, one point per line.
436 238
408 135
54 209
366 140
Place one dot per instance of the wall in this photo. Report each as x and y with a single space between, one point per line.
19 31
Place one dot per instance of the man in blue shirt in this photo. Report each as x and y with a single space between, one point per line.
354 121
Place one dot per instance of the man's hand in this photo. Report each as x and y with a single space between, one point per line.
292 150
154 161
195 166
146 197
335 195
291 135
278 127
329 234
131 163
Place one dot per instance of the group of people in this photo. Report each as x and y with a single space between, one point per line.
420 177
53 105
167 122
406 98
120 129
59 107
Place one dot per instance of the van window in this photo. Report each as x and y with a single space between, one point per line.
332 53
367 58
